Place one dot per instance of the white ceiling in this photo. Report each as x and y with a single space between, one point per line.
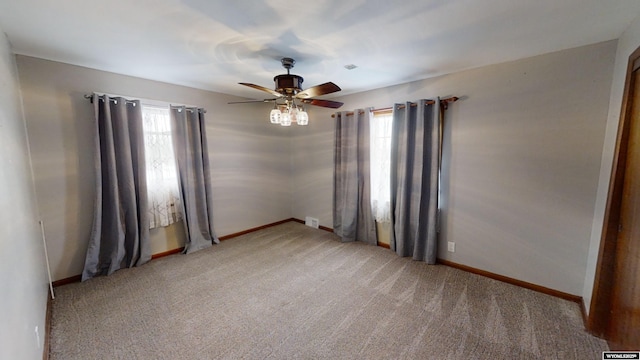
213 45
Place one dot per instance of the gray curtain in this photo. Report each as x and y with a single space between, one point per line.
120 233
352 216
192 159
415 158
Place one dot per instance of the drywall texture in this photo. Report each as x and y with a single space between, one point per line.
312 167
521 160
250 160
23 279
628 42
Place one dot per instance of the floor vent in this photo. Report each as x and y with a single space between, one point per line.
313 222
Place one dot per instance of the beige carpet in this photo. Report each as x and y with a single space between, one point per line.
293 292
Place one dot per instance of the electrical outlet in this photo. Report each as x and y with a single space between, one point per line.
451 246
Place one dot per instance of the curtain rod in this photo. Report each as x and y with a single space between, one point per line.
147 102
443 102
90 98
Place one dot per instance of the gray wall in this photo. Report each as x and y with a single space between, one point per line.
23 279
628 42
249 157
521 162
522 159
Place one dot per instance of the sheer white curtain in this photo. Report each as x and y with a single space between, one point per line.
162 177
380 132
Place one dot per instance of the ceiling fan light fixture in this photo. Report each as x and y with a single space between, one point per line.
275 116
288 89
286 119
302 118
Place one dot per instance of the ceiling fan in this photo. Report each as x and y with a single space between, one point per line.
288 90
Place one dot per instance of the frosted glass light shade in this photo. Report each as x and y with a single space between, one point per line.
275 116
303 118
286 119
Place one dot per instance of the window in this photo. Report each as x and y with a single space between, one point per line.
380 153
162 175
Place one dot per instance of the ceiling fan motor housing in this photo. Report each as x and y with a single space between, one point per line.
288 84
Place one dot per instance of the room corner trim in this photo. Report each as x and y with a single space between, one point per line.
69 280
167 253
585 316
512 281
240 233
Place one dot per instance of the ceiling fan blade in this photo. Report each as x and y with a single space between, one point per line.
258 87
322 89
323 103
251 101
